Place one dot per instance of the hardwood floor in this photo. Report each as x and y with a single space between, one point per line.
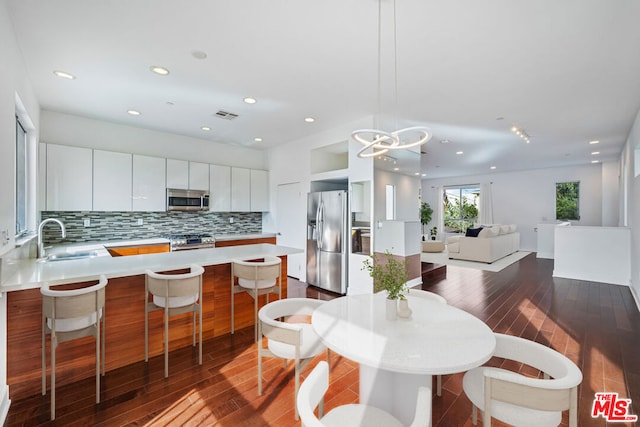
596 325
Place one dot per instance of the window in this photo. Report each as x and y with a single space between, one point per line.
21 179
460 205
390 202
568 200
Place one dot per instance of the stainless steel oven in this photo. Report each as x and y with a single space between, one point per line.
187 200
182 242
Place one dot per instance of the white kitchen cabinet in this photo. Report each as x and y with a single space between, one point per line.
177 174
198 176
149 188
111 181
240 190
220 186
259 190
69 178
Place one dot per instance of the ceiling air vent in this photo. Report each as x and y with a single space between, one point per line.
226 115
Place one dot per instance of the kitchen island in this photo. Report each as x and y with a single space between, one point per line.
124 310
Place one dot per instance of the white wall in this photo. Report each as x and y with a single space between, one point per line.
13 85
631 199
527 198
610 194
65 129
407 196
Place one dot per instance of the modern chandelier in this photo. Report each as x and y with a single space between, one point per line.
376 142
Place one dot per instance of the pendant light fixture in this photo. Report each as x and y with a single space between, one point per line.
376 142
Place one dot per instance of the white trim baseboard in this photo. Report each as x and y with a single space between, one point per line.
635 296
5 402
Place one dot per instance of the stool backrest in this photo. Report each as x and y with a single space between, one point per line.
68 304
175 285
268 269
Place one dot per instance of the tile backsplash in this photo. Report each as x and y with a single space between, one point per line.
144 225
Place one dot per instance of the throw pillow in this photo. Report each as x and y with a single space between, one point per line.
473 232
489 232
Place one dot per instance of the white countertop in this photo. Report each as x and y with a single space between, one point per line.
31 273
243 236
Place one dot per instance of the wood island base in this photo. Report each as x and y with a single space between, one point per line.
124 320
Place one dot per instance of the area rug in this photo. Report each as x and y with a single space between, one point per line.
443 258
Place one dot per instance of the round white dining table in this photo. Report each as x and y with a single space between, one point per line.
398 356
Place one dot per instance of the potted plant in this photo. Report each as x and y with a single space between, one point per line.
389 274
425 216
434 233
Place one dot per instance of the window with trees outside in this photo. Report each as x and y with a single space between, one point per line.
460 206
21 179
568 200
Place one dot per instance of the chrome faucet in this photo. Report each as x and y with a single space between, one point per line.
41 253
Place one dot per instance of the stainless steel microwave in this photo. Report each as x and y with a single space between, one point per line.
187 200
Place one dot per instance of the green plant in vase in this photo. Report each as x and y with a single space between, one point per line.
389 274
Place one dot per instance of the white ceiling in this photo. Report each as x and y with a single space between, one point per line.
567 71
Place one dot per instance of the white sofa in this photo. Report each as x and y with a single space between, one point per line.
494 241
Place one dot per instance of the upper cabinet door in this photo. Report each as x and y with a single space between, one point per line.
149 188
69 178
177 174
259 190
220 185
111 181
198 176
240 190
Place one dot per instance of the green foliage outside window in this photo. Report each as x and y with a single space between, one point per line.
460 208
567 200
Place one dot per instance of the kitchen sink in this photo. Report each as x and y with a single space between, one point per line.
65 256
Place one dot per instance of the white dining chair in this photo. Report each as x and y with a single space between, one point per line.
311 395
174 294
440 299
522 400
289 341
71 314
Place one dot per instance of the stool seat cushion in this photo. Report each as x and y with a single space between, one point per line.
175 302
251 284
311 345
73 323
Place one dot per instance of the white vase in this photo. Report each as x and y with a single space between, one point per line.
391 309
404 312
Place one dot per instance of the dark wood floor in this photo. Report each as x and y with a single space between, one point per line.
596 325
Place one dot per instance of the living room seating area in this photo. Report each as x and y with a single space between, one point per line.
485 243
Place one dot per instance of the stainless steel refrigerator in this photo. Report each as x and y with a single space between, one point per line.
327 240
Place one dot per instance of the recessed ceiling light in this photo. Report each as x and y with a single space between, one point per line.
250 100
459 152
257 139
595 141
64 75
198 54
424 174
595 153
205 128
133 112
595 161
309 119
417 173
396 169
492 167
514 129
159 70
